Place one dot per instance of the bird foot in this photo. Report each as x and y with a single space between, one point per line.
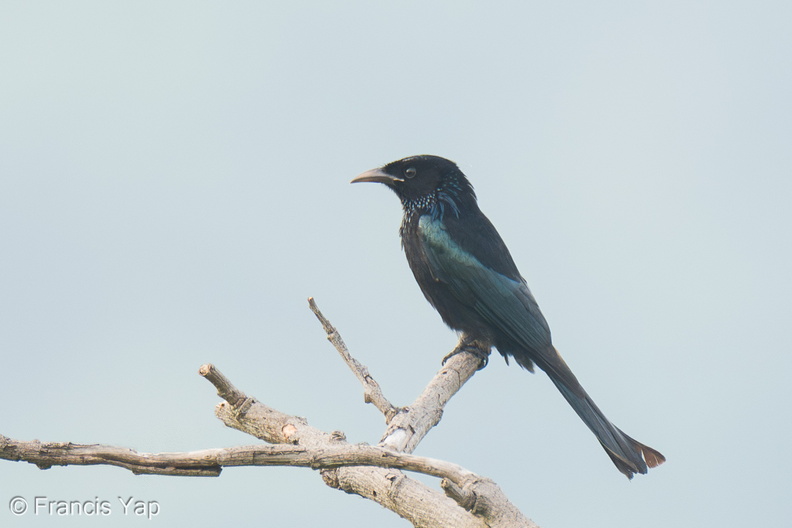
473 347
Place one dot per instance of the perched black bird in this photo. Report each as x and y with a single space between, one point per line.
466 272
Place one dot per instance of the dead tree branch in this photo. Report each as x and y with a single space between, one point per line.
372 393
209 462
419 504
406 426
373 472
406 430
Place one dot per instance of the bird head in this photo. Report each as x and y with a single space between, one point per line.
424 182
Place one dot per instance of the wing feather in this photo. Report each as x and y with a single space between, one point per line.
507 305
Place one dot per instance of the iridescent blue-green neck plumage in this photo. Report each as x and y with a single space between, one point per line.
430 185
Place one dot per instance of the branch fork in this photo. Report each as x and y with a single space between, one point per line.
373 472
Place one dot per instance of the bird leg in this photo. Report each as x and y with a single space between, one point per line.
480 349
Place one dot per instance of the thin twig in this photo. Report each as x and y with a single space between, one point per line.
372 393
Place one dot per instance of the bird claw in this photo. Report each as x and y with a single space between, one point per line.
472 348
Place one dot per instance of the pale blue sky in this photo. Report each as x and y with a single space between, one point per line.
174 185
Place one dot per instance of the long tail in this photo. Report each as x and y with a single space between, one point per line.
630 456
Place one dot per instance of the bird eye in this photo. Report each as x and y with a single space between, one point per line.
410 172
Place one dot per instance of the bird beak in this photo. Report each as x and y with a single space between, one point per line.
376 175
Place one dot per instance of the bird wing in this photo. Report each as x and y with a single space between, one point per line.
474 233
505 304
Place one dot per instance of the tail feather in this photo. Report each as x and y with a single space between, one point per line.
652 457
628 455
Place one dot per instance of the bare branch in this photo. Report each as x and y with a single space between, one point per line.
414 501
407 429
225 389
250 416
411 424
371 472
406 426
372 393
208 462
46 455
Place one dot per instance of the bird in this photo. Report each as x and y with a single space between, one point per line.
467 273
